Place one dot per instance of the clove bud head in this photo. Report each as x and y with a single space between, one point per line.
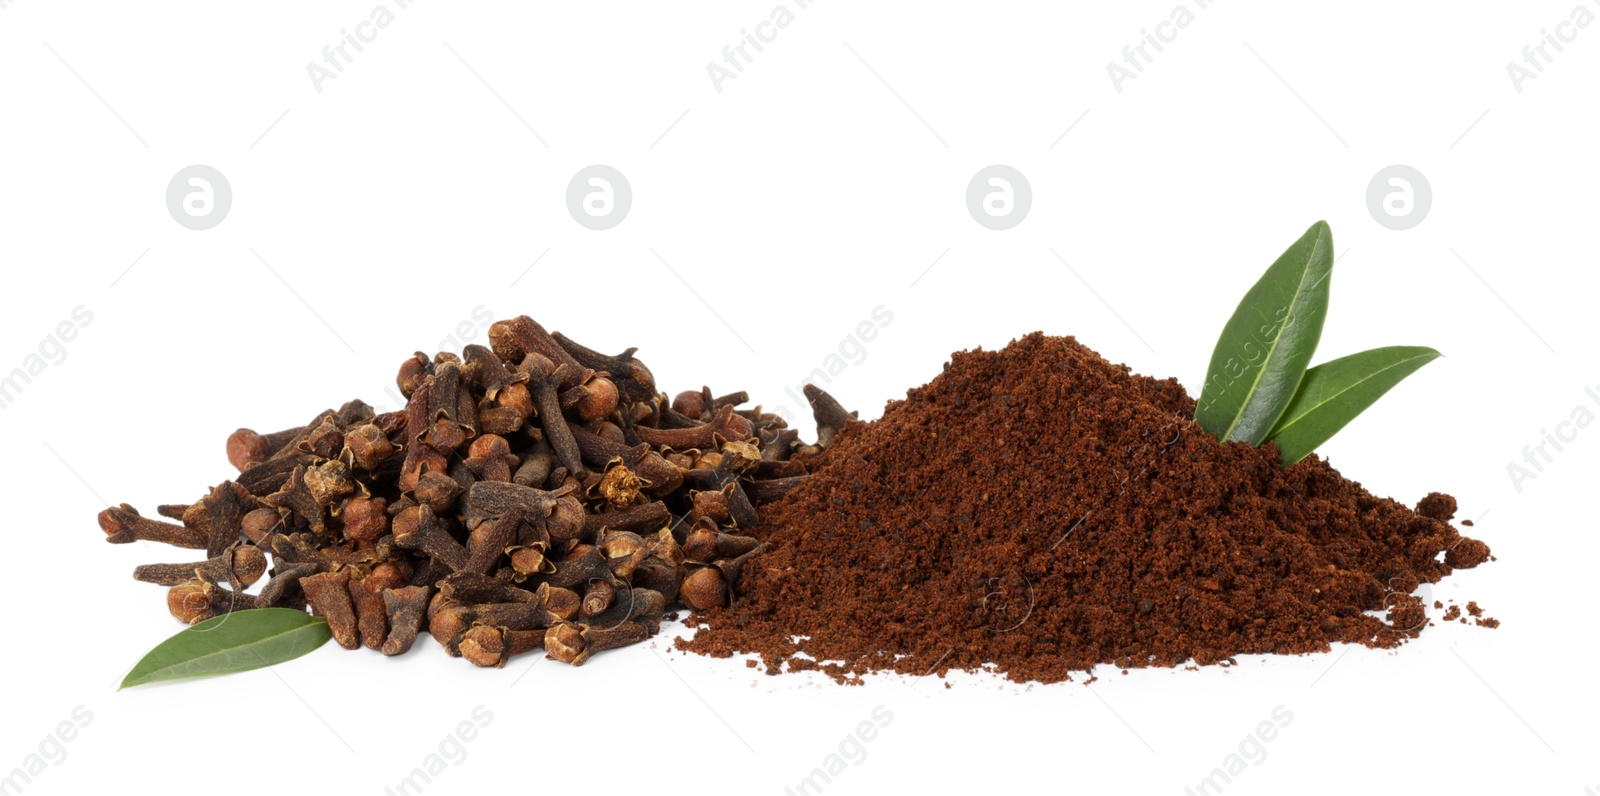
247 564
692 404
619 486
563 604
247 447
191 602
368 446
365 519
565 643
599 401
624 552
704 589
484 646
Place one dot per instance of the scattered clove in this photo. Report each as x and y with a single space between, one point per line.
329 596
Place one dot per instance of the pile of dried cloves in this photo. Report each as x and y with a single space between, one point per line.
534 494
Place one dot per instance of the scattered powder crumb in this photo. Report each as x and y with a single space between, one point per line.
1453 613
1467 553
1408 615
1437 506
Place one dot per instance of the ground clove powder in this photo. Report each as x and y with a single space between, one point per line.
1037 511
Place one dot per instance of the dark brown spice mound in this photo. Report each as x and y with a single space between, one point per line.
1038 511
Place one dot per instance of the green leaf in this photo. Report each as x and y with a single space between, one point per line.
1333 393
1267 344
235 642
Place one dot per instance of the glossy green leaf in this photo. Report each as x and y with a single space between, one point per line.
1333 393
1265 347
235 642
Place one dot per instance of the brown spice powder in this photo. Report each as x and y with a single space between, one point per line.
1038 511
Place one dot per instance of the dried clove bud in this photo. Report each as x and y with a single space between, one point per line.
420 458
123 525
556 513
763 492
450 625
576 571
487 372
599 596
369 446
297 499
711 586
486 645
490 458
372 620
329 596
269 476
438 491
575 644
241 565
515 401
624 551
740 508
543 386
561 603
418 528
324 440
634 379
711 505
403 607
634 518
218 516
830 415
635 603
530 561
283 589
489 541
469 588
724 423
514 339
660 576
192 601
451 412
706 544
247 448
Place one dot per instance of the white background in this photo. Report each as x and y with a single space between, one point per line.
372 217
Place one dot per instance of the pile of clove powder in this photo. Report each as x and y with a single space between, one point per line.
533 495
